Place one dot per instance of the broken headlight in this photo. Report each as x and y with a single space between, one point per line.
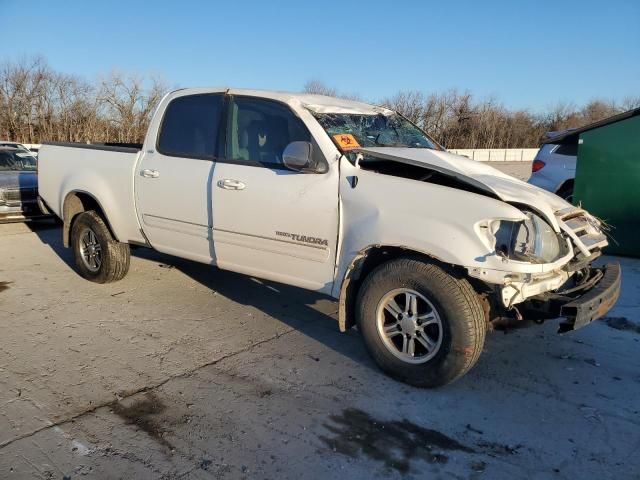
530 240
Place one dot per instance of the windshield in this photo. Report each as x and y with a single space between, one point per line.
17 161
375 130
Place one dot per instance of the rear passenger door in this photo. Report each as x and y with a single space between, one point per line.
173 181
269 221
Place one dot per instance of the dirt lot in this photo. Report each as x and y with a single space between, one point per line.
184 371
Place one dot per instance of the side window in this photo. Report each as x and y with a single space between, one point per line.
567 149
259 130
6 162
190 126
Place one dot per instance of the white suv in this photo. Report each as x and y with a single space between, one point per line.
554 168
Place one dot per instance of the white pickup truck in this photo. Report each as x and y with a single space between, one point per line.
423 249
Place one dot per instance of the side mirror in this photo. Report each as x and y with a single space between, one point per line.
297 156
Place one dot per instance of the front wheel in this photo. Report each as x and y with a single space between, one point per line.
99 257
420 324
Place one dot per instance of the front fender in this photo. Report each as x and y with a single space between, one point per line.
437 221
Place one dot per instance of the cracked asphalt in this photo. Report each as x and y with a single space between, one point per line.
185 371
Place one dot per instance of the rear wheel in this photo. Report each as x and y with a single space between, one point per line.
420 324
99 257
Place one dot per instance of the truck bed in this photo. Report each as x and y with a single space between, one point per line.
103 171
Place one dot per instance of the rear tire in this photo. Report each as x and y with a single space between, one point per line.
447 327
99 257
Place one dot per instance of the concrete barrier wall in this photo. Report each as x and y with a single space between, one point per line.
497 154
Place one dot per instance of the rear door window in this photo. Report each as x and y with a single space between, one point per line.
191 127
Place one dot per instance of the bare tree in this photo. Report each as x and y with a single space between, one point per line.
38 104
319 88
597 110
20 85
122 97
630 103
411 104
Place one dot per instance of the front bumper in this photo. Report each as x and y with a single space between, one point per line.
593 303
580 305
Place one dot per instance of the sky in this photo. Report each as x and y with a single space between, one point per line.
526 54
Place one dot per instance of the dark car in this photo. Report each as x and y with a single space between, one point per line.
18 186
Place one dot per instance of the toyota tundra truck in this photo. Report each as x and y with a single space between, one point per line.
423 250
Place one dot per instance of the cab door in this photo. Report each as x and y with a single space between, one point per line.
173 181
269 221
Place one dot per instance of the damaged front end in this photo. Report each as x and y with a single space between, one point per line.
591 291
539 263
528 252
572 289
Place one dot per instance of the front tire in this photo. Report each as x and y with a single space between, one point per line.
99 257
420 324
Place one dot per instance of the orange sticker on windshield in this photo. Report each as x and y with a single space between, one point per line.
346 141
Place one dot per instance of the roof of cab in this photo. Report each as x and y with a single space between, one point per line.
312 102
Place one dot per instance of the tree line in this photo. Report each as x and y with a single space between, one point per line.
40 104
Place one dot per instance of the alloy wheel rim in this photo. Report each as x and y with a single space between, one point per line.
90 250
409 325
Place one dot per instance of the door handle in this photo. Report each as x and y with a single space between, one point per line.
147 173
231 184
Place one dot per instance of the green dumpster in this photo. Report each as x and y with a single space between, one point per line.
607 181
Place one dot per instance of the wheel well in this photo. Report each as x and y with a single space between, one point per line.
565 184
365 263
76 203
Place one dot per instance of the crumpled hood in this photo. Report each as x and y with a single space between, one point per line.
18 180
477 174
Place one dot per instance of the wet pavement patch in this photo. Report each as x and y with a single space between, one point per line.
396 443
621 323
494 449
143 412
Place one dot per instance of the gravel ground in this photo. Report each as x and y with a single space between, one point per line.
521 170
184 371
